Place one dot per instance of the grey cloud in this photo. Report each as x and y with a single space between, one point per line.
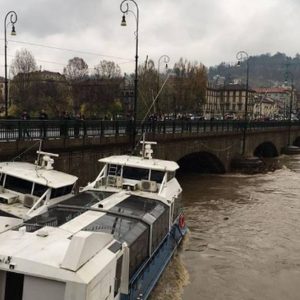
210 31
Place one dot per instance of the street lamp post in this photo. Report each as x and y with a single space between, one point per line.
243 56
13 20
124 7
165 59
290 76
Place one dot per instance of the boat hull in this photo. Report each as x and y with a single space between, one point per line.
144 280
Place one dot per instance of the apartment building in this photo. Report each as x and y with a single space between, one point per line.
228 102
282 97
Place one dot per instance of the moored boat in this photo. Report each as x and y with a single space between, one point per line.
111 241
26 189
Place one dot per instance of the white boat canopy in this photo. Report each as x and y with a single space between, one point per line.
140 162
27 171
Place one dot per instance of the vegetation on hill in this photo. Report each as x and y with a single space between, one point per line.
265 70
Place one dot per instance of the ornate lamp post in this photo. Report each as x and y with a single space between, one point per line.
165 59
289 76
243 56
124 7
246 163
13 19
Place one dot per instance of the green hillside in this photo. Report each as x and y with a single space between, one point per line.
265 70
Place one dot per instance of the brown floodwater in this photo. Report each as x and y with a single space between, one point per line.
244 240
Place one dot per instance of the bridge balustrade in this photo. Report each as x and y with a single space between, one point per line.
66 129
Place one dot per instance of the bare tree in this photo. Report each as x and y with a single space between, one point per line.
189 85
76 69
19 90
77 73
147 88
24 62
107 69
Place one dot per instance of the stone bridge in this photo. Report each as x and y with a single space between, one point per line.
206 151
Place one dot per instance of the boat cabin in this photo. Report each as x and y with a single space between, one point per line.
116 232
134 173
110 242
27 188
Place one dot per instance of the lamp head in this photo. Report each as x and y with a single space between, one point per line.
13 30
238 63
123 23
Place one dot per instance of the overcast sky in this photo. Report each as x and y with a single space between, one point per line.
207 31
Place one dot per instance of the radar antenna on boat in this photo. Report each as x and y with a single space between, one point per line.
46 161
146 148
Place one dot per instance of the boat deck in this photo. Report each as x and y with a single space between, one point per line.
16 209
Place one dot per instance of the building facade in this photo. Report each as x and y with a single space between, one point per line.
283 97
228 102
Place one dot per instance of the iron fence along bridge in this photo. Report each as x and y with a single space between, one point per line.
54 129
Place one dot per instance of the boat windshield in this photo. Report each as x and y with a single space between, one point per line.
64 190
66 210
142 174
135 173
18 184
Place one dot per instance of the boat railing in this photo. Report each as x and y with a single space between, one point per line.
163 183
38 202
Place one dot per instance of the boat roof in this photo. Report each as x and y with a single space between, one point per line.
141 162
37 174
48 239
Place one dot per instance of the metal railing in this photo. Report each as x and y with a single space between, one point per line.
54 129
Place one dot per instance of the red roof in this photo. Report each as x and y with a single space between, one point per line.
273 90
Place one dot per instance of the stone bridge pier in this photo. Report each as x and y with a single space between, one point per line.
214 154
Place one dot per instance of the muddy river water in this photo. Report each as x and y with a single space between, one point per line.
244 240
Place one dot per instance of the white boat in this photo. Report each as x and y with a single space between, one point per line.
26 189
111 241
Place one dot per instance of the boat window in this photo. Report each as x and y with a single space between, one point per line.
87 198
18 184
54 217
139 207
171 175
160 226
124 229
1 178
139 251
177 207
118 275
39 189
61 191
114 170
135 173
157 176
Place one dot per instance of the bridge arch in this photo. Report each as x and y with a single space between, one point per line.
201 162
297 141
266 149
